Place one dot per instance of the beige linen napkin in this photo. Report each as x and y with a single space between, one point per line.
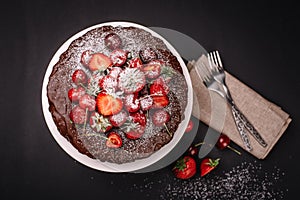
269 119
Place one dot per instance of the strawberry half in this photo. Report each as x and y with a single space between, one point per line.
108 104
114 140
99 61
207 165
160 101
118 57
131 80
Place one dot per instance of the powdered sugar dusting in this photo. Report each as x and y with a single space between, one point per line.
245 181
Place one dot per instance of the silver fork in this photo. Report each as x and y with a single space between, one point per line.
213 77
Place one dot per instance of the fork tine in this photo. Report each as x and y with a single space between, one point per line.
218 58
212 64
204 73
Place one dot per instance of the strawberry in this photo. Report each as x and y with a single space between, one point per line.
85 57
161 85
139 117
99 61
132 104
118 119
87 102
114 140
135 63
135 133
79 77
114 72
75 94
160 101
131 80
207 165
99 123
108 104
108 82
112 41
160 117
118 57
152 70
185 167
78 115
146 102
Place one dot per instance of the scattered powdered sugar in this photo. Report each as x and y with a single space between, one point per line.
245 181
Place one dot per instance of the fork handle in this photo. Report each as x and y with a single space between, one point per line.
238 116
241 127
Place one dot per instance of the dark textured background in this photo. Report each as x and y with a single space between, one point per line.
259 44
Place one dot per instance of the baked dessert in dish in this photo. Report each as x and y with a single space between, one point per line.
117 94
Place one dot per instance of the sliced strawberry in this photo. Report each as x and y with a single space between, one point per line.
160 117
160 101
135 63
87 102
112 41
99 61
118 57
118 119
152 70
108 104
78 115
139 117
114 72
108 82
114 140
75 94
131 102
99 123
135 134
79 77
85 57
146 103
131 80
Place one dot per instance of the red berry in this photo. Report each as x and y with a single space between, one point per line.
112 41
160 101
99 61
85 57
108 104
135 63
152 70
147 55
185 167
75 94
190 126
78 115
87 102
114 72
114 140
160 117
146 103
118 57
108 82
223 141
139 117
131 102
119 119
193 151
79 77
136 133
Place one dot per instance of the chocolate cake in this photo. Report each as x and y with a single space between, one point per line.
117 94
